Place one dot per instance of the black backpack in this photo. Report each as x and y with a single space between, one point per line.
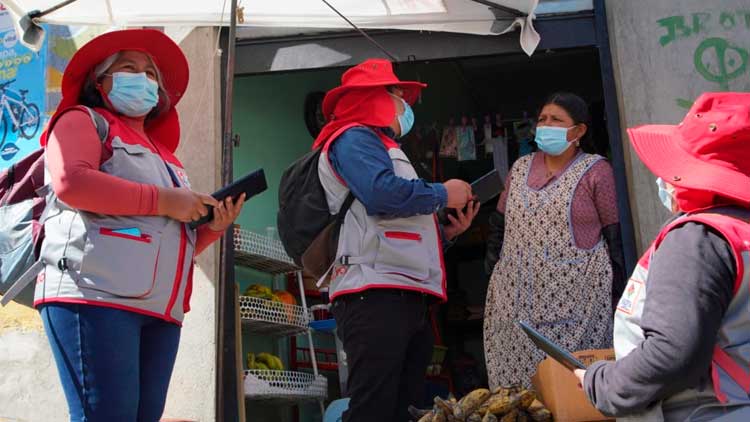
306 227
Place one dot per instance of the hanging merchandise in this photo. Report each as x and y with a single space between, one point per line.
487 132
467 148
522 130
500 148
448 143
477 130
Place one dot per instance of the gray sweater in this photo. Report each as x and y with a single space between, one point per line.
689 287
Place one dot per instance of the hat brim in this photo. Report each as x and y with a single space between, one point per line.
165 53
167 56
411 93
658 148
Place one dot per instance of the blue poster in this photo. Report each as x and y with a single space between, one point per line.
22 94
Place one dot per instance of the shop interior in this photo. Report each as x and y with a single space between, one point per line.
472 107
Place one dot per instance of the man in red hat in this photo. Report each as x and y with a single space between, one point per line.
682 326
389 260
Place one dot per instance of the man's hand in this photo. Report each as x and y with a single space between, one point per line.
461 223
459 193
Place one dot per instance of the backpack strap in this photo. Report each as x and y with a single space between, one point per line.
100 123
102 130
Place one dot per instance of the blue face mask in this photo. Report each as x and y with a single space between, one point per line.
552 140
666 197
133 94
406 120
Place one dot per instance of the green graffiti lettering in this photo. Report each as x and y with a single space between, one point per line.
675 26
719 61
746 15
683 103
727 20
699 22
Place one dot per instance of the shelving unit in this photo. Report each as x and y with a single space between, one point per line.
269 318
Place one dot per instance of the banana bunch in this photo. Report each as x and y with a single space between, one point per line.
264 361
262 292
505 404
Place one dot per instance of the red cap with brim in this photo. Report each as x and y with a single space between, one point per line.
370 74
167 56
707 151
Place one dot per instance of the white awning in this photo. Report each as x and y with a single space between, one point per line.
461 16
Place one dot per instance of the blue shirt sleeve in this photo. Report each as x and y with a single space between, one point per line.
359 157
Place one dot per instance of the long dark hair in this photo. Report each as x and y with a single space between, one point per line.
578 110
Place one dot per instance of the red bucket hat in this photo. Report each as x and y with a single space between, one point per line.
165 53
368 74
709 151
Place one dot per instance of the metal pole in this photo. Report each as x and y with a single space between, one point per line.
227 403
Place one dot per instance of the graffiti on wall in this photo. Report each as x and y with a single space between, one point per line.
723 52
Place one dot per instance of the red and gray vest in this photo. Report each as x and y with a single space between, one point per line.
141 264
730 367
375 252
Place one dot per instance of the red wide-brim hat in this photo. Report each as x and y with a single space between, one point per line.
369 74
709 151
167 56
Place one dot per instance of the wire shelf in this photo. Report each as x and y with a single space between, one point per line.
261 253
284 386
266 317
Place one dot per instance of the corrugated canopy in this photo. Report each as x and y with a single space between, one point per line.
462 16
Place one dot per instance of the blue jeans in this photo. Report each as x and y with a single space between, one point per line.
114 365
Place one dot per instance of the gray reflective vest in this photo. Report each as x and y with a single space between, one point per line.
375 252
137 263
730 367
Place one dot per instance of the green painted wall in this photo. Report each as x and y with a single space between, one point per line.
268 116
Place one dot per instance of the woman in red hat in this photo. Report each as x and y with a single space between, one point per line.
682 326
118 255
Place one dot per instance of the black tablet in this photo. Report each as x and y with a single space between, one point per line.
551 349
251 185
484 189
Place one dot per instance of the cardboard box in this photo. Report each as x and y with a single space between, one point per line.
558 388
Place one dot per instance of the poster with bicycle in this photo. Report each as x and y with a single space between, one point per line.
22 94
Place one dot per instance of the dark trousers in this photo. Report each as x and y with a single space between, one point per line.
388 340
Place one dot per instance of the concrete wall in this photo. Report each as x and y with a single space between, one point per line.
29 385
666 53
192 390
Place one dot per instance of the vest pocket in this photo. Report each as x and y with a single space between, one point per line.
402 253
121 263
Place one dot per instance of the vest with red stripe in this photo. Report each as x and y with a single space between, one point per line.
375 252
137 263
730 367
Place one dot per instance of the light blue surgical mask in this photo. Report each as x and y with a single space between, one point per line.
665 195
552 140
133 94
406 120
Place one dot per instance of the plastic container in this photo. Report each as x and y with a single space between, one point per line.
321 312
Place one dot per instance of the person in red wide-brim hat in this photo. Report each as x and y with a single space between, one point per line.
117 253
681 327
389 265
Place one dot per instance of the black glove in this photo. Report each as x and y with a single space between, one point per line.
613 237
494 241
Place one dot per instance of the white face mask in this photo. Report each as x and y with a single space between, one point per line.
666 195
